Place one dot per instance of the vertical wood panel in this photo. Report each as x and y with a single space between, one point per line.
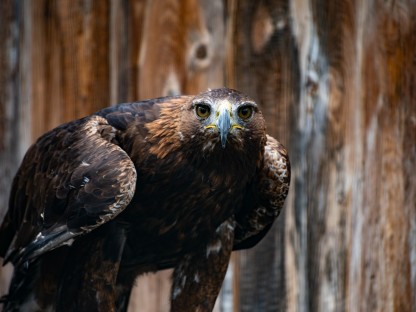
161 72
350 172
388 71
183 48
182 52
9 94
126 31
11 117
265 67
70 60
324 154
162 53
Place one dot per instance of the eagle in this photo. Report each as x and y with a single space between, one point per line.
173 182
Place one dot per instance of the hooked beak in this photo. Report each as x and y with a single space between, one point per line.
224 125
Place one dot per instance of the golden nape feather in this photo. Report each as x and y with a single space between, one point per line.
173 182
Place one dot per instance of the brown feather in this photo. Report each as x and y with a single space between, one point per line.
141 187
162 131
270 193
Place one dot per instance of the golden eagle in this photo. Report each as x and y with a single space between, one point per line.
174 182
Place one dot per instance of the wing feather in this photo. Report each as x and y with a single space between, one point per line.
265 200
72 180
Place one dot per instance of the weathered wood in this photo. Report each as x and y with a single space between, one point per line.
11 117
383 245
126 33
9 114
70 60
182 49
182 52
265 60
323 31
336 82
355 107
53 69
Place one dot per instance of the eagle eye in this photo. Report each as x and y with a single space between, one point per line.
202 110
245 112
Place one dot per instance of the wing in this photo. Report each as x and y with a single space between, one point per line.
72 180
266 197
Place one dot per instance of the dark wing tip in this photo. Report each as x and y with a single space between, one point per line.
42 243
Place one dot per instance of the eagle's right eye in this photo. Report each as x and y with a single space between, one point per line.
202 110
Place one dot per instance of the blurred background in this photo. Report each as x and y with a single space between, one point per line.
336 80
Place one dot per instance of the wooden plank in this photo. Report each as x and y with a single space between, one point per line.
383 239
126 32
349 227
182 52
9 95
160 73
15 119
151 293
11 118
351 134
321 185
265 67
70 61
54 68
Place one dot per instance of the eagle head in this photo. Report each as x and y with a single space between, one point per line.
224 118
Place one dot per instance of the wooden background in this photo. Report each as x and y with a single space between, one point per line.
336 80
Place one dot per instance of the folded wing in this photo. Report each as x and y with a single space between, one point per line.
265 198
72 180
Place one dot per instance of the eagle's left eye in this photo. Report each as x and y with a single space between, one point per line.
202 110
245 112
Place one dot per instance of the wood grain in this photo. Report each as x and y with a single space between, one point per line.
335 81
383 268
182 52
265 67
11 117
126 33
354 101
